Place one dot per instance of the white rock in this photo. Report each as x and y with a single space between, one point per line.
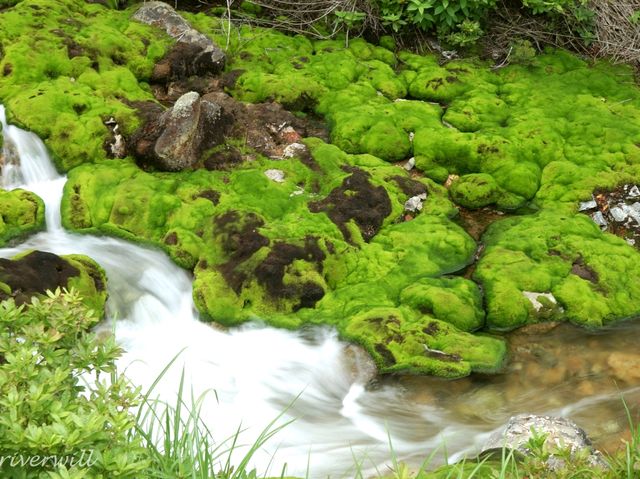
414 203
533 297
618 214
297 192
598 218
275 175
293 149
634 192
410 164
411 136
587 205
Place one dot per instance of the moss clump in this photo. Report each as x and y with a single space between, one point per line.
33 273
593 276
21 214
63 74
475 190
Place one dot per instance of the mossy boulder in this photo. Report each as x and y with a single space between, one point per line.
591 278
33 273
475 190
66 73
320 247
21 214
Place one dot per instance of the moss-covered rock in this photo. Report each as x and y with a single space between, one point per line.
65 72
593 277
33 273
21 214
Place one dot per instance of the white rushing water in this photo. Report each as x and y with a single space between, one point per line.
250 374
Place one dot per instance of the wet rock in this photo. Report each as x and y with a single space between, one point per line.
587 205
625 366
193 53
176 139
559 433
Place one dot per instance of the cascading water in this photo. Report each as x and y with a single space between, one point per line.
258 372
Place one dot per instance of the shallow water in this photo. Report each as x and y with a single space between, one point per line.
250 375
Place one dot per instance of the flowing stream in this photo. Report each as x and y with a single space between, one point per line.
251 374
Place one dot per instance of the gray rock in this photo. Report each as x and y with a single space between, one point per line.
559 434
184 129
618 214
634 192
414 203
587 205
176 138
193 53
275 175
410 164
598 219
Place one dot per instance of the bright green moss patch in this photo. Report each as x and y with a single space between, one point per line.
21 214
593 277
322 247
460 117
64 73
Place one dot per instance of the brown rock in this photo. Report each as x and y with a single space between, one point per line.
625 366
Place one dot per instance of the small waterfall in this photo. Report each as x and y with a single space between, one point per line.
252 374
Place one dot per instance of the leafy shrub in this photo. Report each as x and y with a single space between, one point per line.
47 417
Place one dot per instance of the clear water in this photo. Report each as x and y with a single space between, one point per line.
252 374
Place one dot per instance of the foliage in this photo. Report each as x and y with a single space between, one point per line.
46 354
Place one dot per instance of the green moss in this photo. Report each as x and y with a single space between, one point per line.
593 276
21 214
475 190
64 78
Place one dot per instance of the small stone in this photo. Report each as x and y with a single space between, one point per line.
533 297
631 241
275 175
587 205
618 214
598 219
636 206
450 180
414 203
293 150
410 164
634 192
411 136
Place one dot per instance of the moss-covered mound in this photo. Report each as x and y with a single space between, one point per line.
550 131
324 246
33 273
592 277
67 66
344 237
21 213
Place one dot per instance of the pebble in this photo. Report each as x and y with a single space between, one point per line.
598 218
275 175
625 366
410 164
587 205
414 203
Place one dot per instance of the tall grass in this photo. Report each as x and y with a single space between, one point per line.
181 445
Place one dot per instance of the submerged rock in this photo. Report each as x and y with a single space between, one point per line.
525 432
193 53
